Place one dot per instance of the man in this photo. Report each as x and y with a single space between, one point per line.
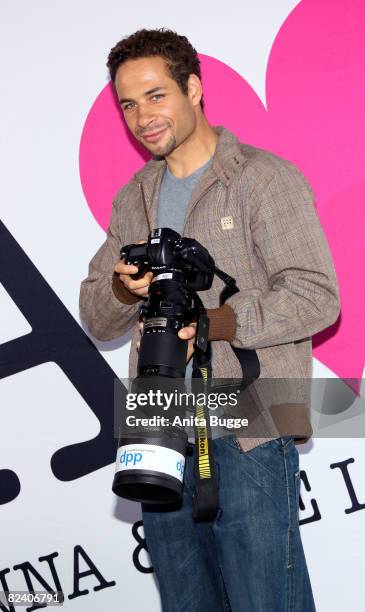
254 213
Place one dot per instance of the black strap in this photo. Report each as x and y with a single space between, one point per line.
206 497
230 285
248 359
249 363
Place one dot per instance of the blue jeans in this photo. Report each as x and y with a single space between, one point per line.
250 558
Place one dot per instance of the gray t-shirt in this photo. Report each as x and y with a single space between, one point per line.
175 195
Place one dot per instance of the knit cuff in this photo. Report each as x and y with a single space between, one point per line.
122 293
222 323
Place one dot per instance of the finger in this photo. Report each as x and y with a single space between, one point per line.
123 268
134 285
141 326
187 333
144 281
146 278
140 292
138 345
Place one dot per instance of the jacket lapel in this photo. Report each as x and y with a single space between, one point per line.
205 183
149 181
227 159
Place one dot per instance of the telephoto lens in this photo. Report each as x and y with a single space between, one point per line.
151 453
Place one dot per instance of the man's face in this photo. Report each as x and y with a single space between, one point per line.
155 109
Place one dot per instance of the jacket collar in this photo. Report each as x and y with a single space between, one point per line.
228 159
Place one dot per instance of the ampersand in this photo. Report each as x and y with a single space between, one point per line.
141 546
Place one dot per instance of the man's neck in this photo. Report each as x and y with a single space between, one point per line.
194 152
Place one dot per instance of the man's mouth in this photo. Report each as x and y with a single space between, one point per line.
153 136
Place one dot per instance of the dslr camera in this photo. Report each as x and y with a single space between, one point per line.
180 267
150 460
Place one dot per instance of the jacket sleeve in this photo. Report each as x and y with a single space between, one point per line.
303 296
105 315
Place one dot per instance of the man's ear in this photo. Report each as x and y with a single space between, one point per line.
195 90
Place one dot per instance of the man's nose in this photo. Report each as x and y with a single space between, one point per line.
145 117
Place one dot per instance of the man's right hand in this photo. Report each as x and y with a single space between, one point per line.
138 287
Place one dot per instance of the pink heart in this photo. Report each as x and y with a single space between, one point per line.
315 117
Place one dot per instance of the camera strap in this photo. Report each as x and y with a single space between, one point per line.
249 362
206 497
205 501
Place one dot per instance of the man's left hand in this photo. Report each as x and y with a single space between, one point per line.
185 333
188 333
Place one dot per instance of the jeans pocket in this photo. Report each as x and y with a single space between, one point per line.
269 458
233 442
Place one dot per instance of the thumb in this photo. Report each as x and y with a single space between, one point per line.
187 333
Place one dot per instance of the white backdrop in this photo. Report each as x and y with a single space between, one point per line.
52 68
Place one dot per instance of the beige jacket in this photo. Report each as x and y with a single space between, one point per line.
273 245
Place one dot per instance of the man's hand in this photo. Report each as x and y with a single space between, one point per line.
188 333
185 333
138 287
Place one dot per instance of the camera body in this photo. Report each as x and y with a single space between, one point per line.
167 251
180 267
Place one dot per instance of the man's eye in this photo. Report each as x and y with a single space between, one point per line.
128 106
157 97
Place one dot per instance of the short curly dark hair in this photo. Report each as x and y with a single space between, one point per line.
181 57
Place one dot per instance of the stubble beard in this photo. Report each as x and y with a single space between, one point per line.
163 151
